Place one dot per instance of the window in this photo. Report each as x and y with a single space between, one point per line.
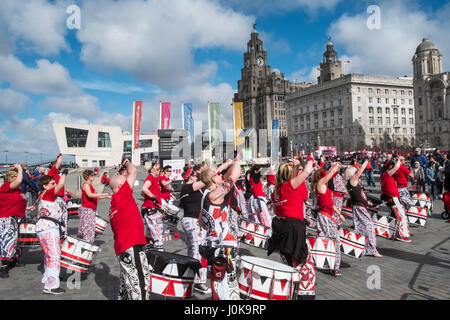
146 143
324 124
103 140
388 110
395 101
420 115
388 120
359 89
403 120
332 113
395 111
127 146
332 123
403 111
340 112
403 101
380 130
359 99
378 91
411 120
379 110
405 131
370 109
387 100
370 120
370 99
340 121
372 130
380 120
369 90
411 111
420 101
324 114
394 91
331 103
316 116
386 91
410 93
316 125
397 130
395 120
359 108
412 130
410 102
378 100
76 138
339 102
388 130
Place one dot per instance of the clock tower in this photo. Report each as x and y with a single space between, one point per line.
262 92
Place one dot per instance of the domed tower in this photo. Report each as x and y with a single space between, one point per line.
330 67
427 60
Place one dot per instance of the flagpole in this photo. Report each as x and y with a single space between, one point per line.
182 114
234 126
209 133
160 114
133 131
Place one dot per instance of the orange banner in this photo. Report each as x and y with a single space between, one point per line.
137 122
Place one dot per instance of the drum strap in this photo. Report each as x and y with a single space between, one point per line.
58 223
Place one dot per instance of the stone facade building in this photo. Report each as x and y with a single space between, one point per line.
263 92
432 97
351 112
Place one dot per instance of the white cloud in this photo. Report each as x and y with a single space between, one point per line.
32 25
265 7
46 77
12 101
156 40
389 50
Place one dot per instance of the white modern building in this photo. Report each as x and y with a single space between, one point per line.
97 145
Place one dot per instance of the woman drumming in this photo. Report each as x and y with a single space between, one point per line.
259 204
151 211
328 215
221 242
50 228
289 226
88 209
190 200
361 217
12 206
389 193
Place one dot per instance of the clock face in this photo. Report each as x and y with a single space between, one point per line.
260 62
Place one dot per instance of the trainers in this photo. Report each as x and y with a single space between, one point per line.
403 239
202 288
54 291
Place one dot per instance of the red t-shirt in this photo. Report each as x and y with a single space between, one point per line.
401 176
88 202
257 189
49 195
325 202
289 202
155 190
270 179
126 221
12 203
55 174
388 185
165 193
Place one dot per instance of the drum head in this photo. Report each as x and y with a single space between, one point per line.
160 259
269 268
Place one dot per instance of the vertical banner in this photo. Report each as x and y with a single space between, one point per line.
165 115
188 121
275 147
214 123
137 117
238 122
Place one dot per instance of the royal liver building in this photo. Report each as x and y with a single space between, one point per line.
432 97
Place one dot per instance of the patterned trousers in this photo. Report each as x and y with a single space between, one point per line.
86 230
194 236
154 229
259 206
51 246
405 197
134 274
327 228
364 225
398 211
9 231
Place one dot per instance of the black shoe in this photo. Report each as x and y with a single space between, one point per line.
4 273
54 291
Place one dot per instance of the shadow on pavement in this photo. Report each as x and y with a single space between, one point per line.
107 282
415 257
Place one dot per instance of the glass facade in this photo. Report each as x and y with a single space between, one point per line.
145 143
76 138
104 140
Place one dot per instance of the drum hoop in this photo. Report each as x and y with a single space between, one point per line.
80 240
266 268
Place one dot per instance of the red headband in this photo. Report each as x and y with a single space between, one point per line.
323 173
187 174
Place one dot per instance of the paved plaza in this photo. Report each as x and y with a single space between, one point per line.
408 271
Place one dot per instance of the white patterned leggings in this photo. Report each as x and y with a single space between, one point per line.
194 236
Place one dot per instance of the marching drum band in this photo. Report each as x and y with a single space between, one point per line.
223 208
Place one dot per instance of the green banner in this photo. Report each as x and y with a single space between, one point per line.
214 123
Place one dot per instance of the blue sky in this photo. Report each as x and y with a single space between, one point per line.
180 50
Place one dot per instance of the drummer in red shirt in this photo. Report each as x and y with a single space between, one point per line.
289 227
401 177
165 185
389 193
129 239
151 208
12 206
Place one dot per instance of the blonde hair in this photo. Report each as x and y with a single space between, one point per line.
349 173
206 176
11 173
285 173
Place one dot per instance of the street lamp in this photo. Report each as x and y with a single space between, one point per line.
6 156
26 157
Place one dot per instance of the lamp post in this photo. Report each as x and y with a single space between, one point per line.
6 156
26 157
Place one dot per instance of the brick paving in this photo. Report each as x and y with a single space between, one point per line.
409 271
